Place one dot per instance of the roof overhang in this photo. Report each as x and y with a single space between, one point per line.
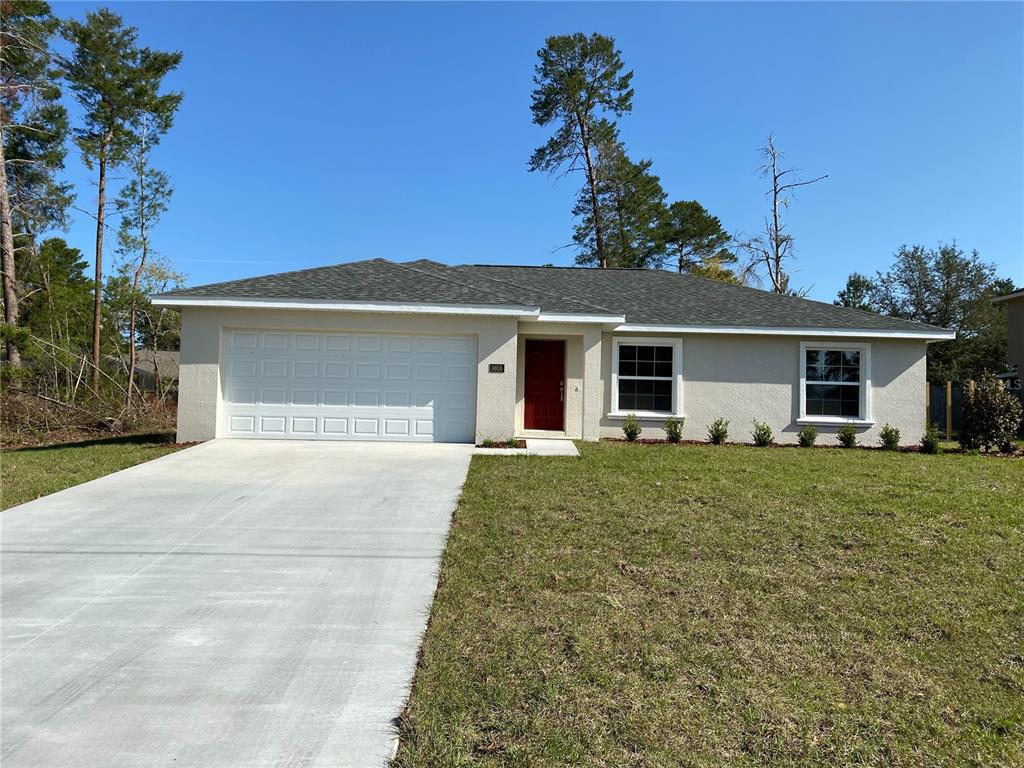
496 310
234 302
1009 297
861 333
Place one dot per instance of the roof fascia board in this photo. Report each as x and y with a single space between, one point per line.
568 317
1008 297
875 333
225 302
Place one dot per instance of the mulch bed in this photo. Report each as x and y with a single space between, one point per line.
903 449
520 443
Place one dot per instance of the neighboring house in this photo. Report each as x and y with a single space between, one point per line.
163 360
1014 327
376 350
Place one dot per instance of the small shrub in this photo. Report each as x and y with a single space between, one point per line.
508 442
930 440
847 436
674 429
806 436
631 427
718 431
762 433
990 416
890 438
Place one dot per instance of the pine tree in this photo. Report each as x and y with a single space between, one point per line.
856 293
631 205
696 243
142 201
117 84
33 129
580 86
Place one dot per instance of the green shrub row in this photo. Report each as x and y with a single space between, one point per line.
762 435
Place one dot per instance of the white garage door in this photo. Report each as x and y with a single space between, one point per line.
349 386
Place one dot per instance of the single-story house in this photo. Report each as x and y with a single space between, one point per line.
1014 327
378 350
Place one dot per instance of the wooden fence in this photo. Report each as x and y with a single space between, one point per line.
943 401
942 404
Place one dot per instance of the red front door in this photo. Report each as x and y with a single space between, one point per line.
545 384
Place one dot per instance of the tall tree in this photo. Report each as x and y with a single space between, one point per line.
696 242
132 320
631 206
33 128
771 250
857 293
579 87
117 84
142 201
58 297
948 287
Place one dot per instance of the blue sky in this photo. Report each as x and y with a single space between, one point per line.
320 133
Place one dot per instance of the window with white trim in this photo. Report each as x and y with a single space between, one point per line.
834 380
646 376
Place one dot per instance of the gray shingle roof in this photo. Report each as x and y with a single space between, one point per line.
644 297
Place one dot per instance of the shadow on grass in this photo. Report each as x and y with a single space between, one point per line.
157 438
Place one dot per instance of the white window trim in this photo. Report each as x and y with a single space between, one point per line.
864 420
677 375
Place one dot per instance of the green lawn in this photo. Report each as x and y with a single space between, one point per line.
733 606
28 473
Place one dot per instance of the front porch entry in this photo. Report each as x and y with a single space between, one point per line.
544 384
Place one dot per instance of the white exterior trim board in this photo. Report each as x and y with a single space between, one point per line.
564 317
348 306
748 330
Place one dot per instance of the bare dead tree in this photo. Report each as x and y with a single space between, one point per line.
771 250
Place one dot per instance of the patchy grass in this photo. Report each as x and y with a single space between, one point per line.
28 473
710 606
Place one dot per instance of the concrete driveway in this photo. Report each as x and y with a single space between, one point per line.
240 603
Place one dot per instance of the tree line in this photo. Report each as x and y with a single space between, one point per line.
623 216
68 335
947 287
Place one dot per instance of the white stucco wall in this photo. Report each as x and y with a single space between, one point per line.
201 378
739 377
742 378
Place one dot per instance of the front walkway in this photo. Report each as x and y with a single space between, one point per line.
240 603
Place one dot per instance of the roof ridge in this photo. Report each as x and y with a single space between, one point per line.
564 266
443 277
540 290
622 289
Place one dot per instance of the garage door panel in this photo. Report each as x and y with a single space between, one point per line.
335 397
368 343
307 342
286 385
243 368
335 426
